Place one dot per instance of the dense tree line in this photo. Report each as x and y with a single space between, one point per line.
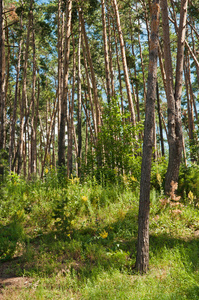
74 90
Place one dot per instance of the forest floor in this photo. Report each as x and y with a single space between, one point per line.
79 242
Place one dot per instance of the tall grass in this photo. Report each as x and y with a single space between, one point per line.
78 241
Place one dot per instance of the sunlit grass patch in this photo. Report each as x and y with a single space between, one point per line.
80 243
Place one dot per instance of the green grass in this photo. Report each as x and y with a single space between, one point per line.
79 242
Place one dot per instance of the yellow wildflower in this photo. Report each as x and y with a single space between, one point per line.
84 198
191 197
104 234
46 170
125 179
133 178
159 179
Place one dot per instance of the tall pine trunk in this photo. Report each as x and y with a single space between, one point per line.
174 98
33 154
142 259
2 88
79 97
21 145
61 143
106 57
126 75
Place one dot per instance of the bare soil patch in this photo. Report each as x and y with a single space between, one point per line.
9 282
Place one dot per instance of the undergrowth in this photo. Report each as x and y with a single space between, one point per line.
78 240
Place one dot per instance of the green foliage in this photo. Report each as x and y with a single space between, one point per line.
79 239
118 150
3 163
189 181
158 172
11 234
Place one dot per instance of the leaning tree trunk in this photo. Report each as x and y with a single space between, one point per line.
123 54
142 259
174 99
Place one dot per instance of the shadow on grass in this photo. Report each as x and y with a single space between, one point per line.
84 253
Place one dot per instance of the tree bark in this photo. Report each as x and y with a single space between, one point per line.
2 87
61 145
12 134
70 118
119 70
160 122
90 93
142 259
174 99
106 57
21 146
110 54
79 97
94 84
33 116
126 75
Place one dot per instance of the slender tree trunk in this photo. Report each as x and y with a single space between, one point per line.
22 148
61 145
142 64
12 135
174 100
119 69
135 90
160 54
2 87
76 148
60 60
142 259
49 133
70 118
160 122
37 118
33 155
126 75
189 93
90 93
94 84
8 56
79 97
110 54
106 57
